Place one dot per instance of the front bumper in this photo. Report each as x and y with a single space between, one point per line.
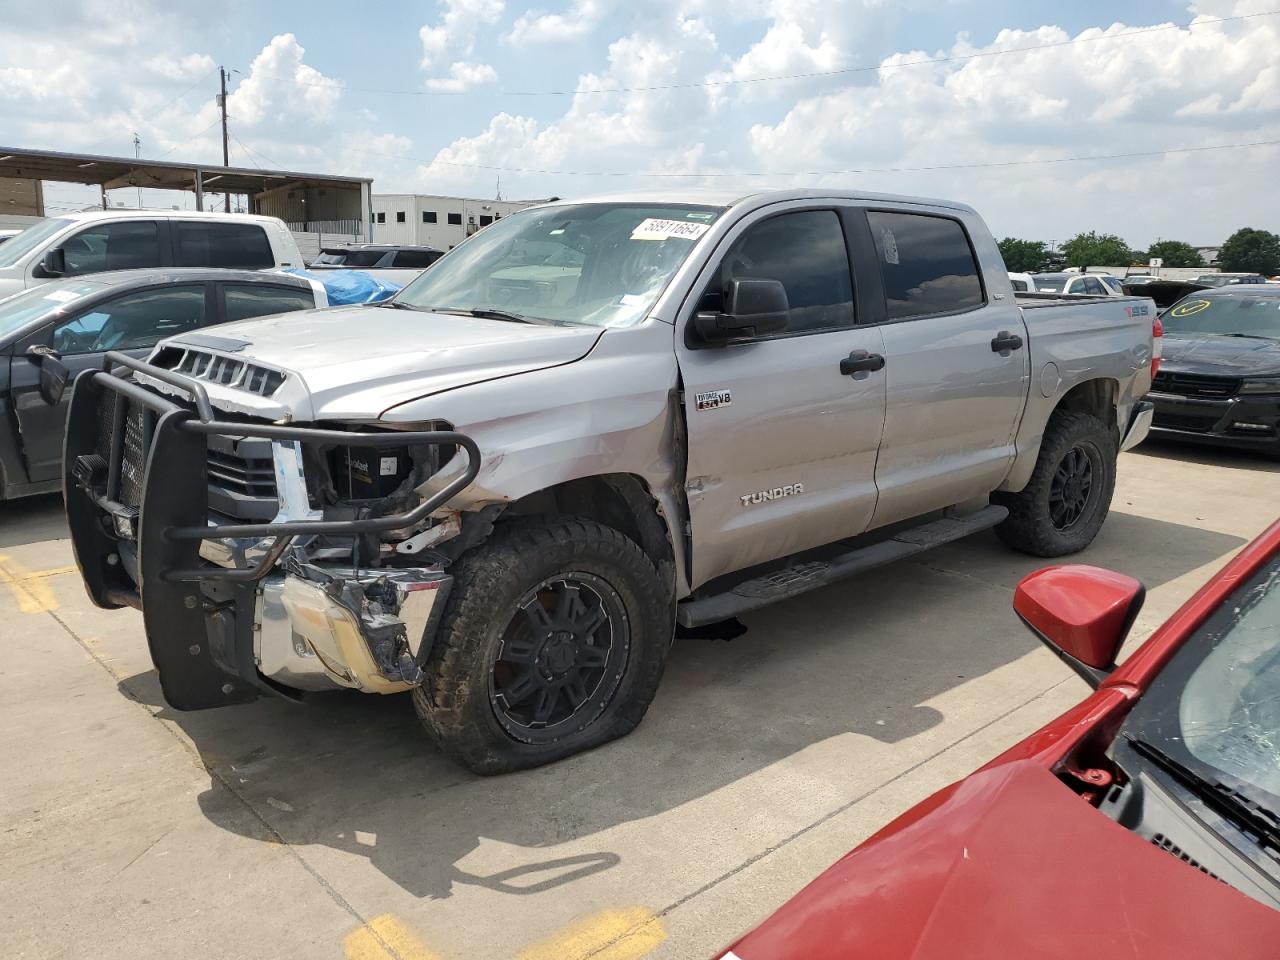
259 619
1244 422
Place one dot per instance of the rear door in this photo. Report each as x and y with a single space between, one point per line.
132 323
956 367
781 442
116 245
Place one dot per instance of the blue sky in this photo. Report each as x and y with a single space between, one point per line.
423 97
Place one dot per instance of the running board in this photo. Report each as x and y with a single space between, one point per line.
809 575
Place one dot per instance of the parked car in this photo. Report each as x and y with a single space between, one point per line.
1163 293
1144 822
1086 284
1229 279
61 328
1220 382
1139 278
1022 283
519 482
399 262
78 244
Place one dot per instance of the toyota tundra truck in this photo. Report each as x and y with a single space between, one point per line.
592 424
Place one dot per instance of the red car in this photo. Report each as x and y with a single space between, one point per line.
1143 823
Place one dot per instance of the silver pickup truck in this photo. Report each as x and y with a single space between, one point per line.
588 427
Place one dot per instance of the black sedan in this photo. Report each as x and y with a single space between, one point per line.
1219 381
55 330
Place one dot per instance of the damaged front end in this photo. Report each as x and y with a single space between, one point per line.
264 558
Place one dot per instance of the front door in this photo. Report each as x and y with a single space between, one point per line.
956 369
782 441
131 323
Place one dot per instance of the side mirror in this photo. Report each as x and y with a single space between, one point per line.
54 263
53 373
752 308
1081 613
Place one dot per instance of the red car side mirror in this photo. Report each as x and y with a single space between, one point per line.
1081 613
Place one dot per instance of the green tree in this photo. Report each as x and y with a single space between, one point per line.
1250 251
1023 256
1097 250
1175 253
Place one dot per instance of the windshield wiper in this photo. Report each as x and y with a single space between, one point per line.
1231 803
484 314
1251 336
396 304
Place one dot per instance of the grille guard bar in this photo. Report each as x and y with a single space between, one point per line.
207 425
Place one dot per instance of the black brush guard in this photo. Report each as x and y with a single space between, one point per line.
200 639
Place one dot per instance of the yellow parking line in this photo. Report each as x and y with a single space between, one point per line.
30 589
386 937
607 935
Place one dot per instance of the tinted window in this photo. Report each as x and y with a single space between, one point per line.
807 253
113 246
245 300
415 258
1250 316
428 216
926 263
1019 285
485 220
1092 287
455 219
137 319
213 244
382 218
399 216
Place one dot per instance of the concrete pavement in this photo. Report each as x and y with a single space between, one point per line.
334 830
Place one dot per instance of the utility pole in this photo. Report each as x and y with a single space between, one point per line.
226 160
137 155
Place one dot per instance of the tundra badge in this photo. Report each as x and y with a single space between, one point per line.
712 399
777 493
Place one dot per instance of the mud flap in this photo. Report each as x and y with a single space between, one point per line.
175 494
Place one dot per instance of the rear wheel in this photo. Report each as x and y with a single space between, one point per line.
553 641
1062 508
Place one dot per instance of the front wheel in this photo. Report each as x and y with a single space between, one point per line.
1062 508
553 641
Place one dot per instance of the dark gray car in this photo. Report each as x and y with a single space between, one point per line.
71 324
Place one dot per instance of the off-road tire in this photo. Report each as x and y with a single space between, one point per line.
1029 526
454 702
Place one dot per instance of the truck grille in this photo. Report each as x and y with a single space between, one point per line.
1195 385
1195 422
216 368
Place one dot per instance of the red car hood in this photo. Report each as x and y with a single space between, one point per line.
1011 863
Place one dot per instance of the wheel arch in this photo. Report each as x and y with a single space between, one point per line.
1097 396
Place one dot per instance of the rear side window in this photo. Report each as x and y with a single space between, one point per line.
1092 287
245 300
243 245
113 246
927 264
415 258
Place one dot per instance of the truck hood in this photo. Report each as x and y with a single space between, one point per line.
1228 356
1011 863
354 363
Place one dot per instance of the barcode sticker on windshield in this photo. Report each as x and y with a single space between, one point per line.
62 296
655 229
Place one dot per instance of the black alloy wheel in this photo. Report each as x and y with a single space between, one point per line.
1071 487
562 658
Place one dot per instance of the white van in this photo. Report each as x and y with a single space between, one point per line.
99 240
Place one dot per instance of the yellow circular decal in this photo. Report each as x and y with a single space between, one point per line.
1188 308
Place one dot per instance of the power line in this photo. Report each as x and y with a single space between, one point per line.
859 170
158 110
928 61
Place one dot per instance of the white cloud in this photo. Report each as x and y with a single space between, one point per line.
463 76
579 19
455 33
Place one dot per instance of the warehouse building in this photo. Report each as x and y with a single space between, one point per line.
435 221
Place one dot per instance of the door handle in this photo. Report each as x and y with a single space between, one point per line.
860 361
1005 342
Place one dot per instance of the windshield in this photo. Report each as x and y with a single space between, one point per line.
30 238
601 264
1216 707
1048 283
1250 316
1214 280
21 308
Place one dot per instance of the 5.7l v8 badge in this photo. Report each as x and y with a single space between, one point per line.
712 399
